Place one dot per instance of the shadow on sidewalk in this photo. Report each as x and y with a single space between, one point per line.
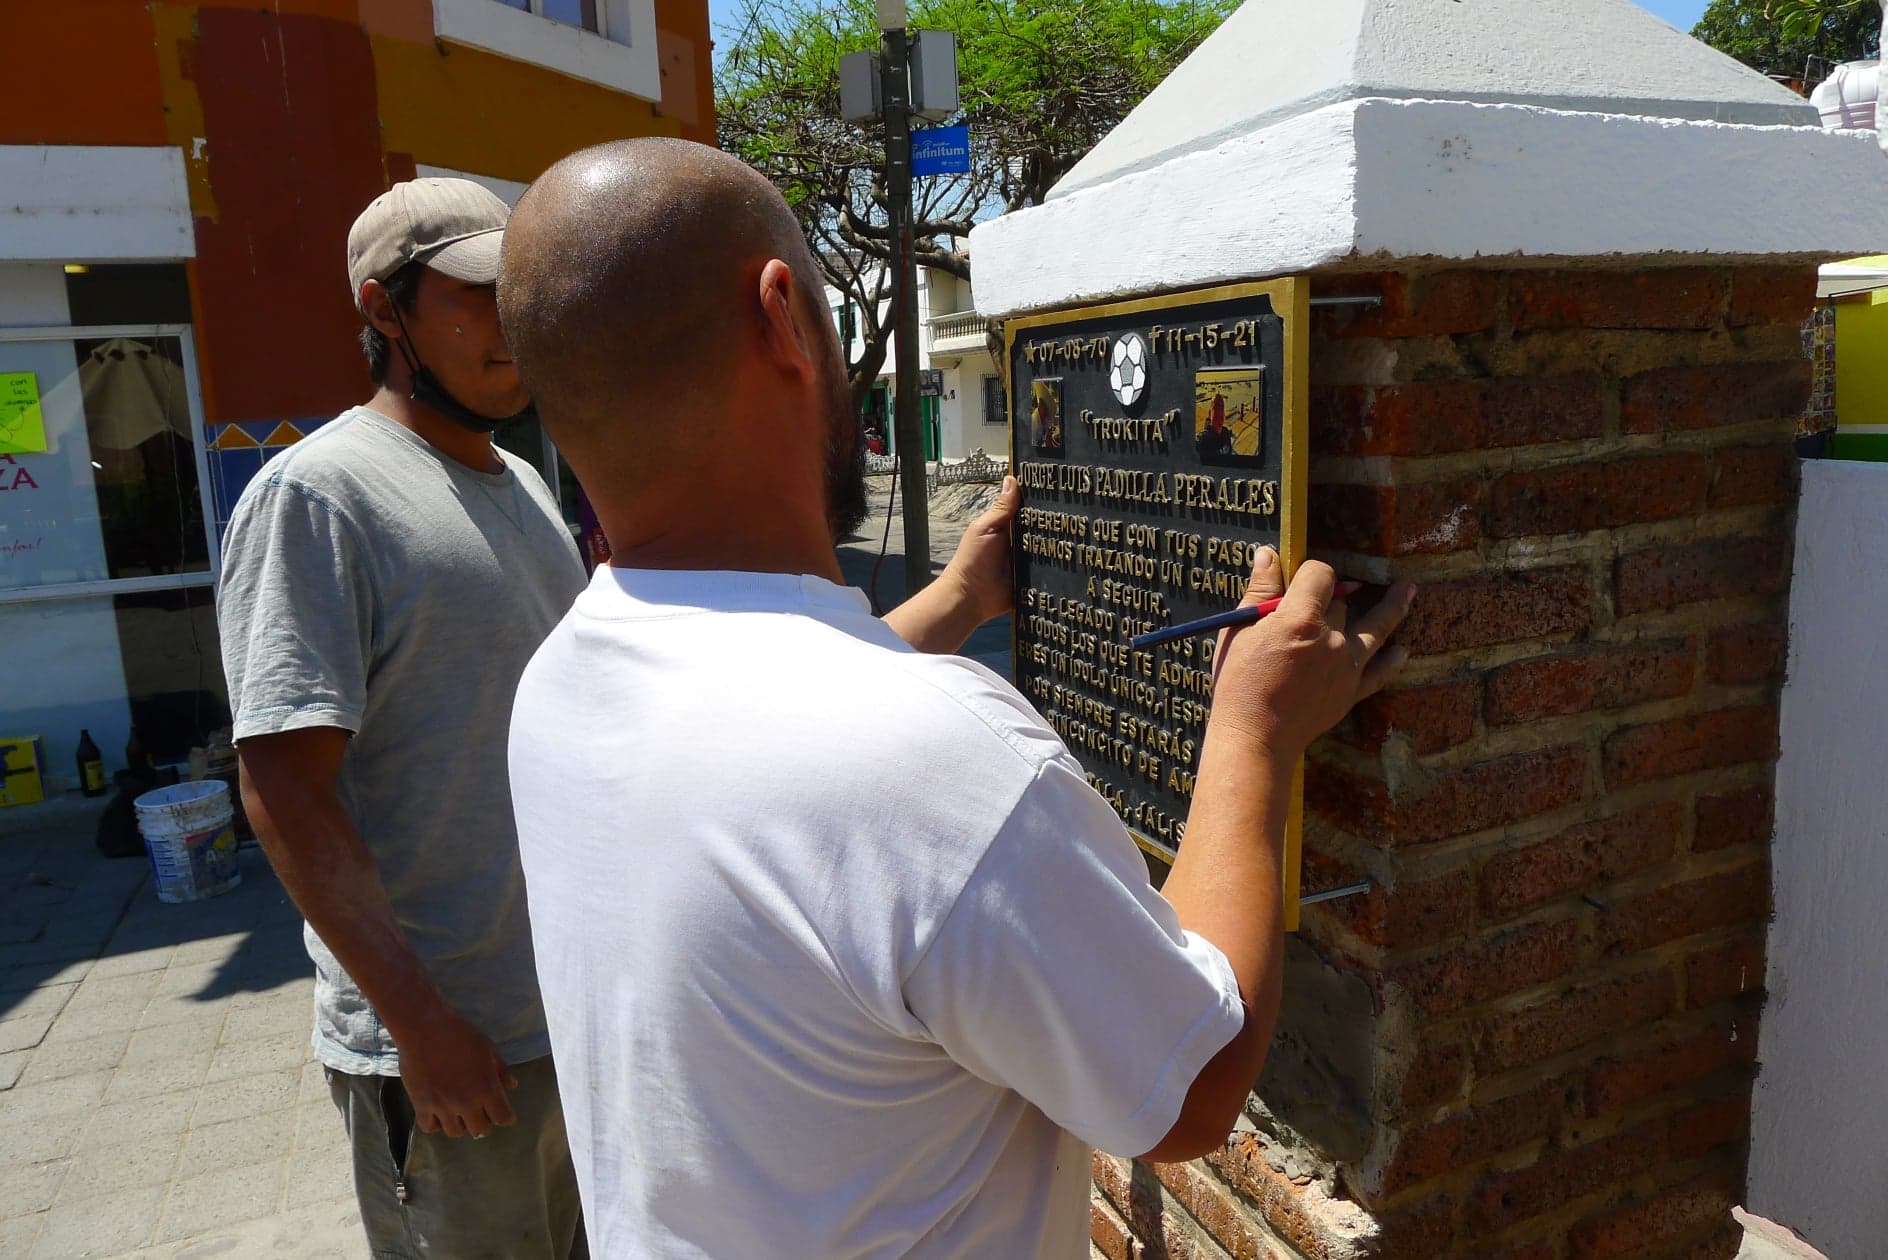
66 912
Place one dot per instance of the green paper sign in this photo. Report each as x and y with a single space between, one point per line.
22 427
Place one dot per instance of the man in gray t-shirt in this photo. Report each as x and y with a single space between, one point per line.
384 583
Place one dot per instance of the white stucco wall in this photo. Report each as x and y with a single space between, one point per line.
1275 58
94 203
1356 183
1819 1125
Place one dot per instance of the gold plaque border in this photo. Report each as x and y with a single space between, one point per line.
1291 301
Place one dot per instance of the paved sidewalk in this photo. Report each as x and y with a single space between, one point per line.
156 1093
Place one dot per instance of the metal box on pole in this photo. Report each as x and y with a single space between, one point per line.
933 75
860 98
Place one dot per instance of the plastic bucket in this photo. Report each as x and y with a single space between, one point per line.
189 830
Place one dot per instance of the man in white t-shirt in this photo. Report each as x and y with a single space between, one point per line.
841 955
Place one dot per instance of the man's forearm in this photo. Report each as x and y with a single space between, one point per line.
328 873
1226 883
939 618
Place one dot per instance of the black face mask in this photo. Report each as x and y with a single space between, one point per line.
428 392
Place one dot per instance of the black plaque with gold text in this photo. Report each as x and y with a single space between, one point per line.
1158 443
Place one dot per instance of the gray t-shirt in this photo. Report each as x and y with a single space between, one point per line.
371 583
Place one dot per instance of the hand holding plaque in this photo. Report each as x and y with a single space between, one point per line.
1287 679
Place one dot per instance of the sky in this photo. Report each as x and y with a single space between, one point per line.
1680 13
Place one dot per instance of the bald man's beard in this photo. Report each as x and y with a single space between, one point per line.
847 504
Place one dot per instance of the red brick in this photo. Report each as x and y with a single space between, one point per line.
1754 475
1439 417
1422 1232
1490 794
1574 498
1426 518
1574 1019
1721 1122
1620 1082
1468 1137
1669 1213
1504 608
1418 418
1529 410
1413 913
1676 398
1723 971
1746 654
1433 718
1699 905
1686 745
1213 1208
1505 1199
1604 678
1668 577
1725 1243
1580 858
1733 818
1112 1175
1437 1074
1242 1163
1491 966
1780 295
1441 304
1108 1234
1674 298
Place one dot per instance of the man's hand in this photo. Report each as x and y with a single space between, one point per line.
1295 674
455 1078
974 587
981 569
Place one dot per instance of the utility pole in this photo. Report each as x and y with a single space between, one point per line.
896 98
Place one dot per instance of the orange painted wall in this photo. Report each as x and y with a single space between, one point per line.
292 117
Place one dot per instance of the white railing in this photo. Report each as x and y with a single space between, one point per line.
962 324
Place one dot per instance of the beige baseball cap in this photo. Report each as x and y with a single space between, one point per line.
451 225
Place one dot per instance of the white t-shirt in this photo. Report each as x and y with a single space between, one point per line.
841 955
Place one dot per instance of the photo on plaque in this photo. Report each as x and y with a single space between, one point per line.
1045 415
1228 414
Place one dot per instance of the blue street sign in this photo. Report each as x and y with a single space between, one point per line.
941 151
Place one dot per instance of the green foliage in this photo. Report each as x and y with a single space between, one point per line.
1779 37
1041 81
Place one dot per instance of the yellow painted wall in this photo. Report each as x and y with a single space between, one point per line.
1862 361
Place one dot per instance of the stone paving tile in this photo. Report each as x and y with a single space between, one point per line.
131 1122
288 1012
96 1022
218 1199
245 1096
11 1065
319 1127
18 1235
55 1097
152 1162
47 999
133 962
314 1086
143 1080
21 979
97 991
237 1143
273 1053
72 1058
29 1189
100 1227
318 1177
24 1033
36 1140
323 1231
174 1040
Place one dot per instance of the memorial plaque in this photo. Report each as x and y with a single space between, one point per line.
1158 443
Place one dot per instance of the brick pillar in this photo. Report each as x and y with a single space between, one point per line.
1565 804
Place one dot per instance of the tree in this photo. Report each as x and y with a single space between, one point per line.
1779 37
1041 81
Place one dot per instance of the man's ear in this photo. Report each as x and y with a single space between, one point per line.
378 305
784 335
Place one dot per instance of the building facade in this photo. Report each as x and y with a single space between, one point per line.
173 296
961 405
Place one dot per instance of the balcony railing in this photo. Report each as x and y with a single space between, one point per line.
953 327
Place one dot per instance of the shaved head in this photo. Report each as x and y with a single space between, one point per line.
630 276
